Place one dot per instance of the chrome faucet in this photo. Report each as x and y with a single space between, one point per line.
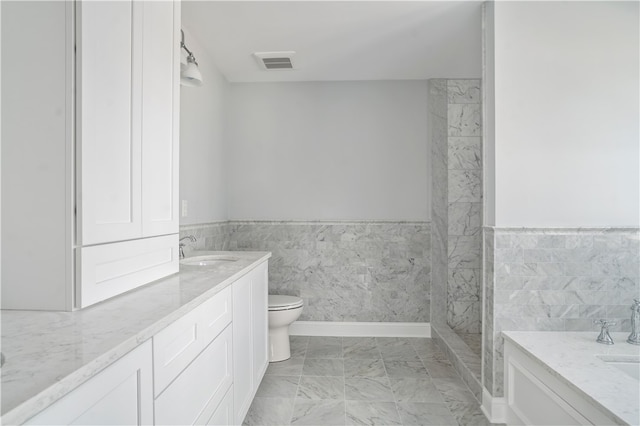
181 244
604 337
634 337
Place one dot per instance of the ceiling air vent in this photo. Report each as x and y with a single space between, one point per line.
275 60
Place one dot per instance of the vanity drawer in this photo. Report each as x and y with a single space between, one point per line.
181 342
198 390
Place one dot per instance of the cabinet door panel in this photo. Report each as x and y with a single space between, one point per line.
260 319
160 92
223 415
242 348
122 394
203 384
109 145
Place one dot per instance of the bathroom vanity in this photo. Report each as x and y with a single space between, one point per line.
567 378
187 349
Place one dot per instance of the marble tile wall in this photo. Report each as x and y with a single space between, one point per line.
464 205
210 236
344 271
437 125
556 280
355 271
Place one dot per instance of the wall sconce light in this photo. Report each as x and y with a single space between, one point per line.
189 74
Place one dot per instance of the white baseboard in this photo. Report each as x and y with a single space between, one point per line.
360 329
494 408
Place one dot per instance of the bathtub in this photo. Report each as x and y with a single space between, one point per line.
566 378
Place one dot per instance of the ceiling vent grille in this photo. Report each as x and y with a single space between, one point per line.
275 60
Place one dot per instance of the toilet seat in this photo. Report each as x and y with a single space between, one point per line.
279 302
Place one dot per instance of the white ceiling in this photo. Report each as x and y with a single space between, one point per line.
340 40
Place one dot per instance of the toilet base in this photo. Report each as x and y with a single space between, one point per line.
279 347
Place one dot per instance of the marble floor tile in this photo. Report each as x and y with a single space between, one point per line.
396 349
321 388
269 411
368 389
364 368
405 369
409 389
360 348
424 413
468 414
441 369
290 367
406 381
454 391
316 413
372 413
324 347
323 367
298 346
278 386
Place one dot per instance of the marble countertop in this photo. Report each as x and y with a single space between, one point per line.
48 354
573 357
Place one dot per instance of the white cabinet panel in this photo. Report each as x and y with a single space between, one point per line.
242 351
260 320
250 330
203 384
122 394
160 134
175 347
223 414
109 147
215 315
107 270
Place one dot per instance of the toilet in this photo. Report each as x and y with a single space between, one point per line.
283 310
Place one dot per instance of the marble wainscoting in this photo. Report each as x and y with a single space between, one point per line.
209 236
555 280
346 271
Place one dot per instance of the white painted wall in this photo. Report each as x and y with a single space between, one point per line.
328 151
202 138
566 114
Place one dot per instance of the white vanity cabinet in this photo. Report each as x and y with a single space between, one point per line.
250 343
122 394
127 60
90 150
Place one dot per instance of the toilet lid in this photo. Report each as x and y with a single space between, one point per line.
279 302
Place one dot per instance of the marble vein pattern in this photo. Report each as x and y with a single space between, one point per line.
556 280
346 271
456 227
576 353
48 354
369 391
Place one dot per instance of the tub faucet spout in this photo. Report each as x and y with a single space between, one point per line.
634 337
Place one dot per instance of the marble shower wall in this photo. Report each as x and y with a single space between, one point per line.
464 204
344 271
555 280
437 125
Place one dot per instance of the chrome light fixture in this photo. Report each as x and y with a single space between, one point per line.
189 74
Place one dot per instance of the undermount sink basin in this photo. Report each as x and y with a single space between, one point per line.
208 260
630 365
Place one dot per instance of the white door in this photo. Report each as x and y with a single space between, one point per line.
109 58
